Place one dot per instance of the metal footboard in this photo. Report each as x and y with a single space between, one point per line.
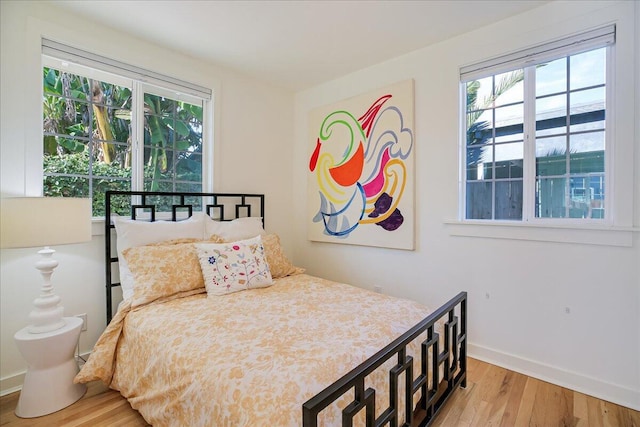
450 361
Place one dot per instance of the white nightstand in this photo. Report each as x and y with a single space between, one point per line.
48 384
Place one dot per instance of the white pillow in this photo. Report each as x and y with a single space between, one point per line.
238 229
132 233
235 266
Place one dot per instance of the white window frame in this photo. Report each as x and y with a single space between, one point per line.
608 231
529 150
72 60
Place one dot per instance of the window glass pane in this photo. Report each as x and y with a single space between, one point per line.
86 127
551 156
587 109
479 164
173 143
509 123
479 94
510 133
191 187
100 186
160 185
551 115
508 162
189 167
479 130
471 91
106 124
57 144
588 125
587 100
588 69
595 183
160 165
120 121
488 170
587 153
479 200
66 186
551 77
509 169
65 116
480 172
87 124
508 151
582 197
509 200
550 198
566 108
509 88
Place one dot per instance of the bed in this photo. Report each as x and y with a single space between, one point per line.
189 345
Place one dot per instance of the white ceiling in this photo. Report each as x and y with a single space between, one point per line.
297 44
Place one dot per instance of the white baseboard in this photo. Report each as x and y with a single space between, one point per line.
584 384
571 380
13 383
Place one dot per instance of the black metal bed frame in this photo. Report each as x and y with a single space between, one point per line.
451 361
440 355
241 204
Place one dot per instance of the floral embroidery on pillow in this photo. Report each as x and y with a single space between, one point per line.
279 264
235 266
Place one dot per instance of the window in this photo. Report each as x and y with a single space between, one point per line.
535 132
113 130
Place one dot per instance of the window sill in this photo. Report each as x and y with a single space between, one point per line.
560 233
97 226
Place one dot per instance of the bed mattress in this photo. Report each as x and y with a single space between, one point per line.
250 358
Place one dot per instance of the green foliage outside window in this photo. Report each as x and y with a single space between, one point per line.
87 139
75 164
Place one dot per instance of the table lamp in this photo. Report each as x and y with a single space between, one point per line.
27 222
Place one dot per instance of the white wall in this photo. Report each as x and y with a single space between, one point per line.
523 324
253 136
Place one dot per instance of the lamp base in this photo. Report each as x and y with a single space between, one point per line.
47 315
35 329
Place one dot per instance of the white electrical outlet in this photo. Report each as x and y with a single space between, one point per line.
83 316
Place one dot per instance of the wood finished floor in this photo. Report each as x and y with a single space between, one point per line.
494 397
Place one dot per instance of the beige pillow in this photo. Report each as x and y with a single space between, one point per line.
278 262
163 270
133 233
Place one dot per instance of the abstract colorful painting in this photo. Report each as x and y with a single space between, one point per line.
361 170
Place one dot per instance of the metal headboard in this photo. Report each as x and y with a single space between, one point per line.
175 206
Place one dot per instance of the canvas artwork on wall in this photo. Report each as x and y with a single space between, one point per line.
361 170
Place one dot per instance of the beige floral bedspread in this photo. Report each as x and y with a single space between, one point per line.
250 358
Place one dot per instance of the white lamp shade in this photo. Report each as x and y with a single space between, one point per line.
44 221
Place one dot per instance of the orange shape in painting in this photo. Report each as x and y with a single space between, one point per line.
349 172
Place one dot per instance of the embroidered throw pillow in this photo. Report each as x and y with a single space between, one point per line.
235 266
279 264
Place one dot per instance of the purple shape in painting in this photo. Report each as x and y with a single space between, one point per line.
382 205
